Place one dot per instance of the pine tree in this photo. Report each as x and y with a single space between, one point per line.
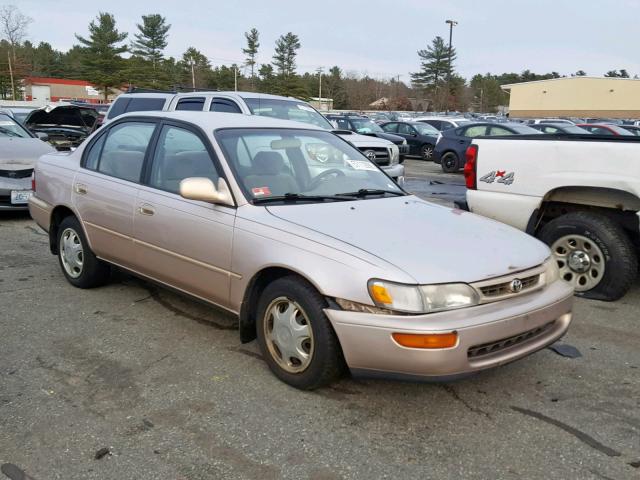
284 58
196 69
101 62
152 39
435 65
251 51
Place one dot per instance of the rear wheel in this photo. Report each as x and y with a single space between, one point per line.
426 151
594 254
450 162
295 336
79 265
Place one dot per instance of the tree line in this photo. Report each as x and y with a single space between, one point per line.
113 59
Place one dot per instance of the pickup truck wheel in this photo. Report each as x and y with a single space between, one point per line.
295 336
426 151
450 162
594 254
79 265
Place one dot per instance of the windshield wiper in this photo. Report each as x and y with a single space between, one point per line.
295 197
364 192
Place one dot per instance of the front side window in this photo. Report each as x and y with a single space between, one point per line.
390 127
195 104
124 150
224 105
180 154
287 110
405 129
475 131
281 162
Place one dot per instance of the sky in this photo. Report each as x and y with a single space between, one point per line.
378 38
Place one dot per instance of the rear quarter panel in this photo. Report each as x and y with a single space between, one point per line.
540 166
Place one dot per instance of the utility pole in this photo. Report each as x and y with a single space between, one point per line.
319 70
193 74
13 88
235 78
452 23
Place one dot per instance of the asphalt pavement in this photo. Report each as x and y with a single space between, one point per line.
133 381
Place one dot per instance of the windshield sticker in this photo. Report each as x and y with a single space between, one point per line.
361 165
260 191
306 108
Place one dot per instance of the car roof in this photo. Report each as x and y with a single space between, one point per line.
238 94
215 120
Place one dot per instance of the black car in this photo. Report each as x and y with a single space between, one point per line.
65 125
558 128
453 143
366 126
421 137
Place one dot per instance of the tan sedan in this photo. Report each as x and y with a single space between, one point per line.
320 254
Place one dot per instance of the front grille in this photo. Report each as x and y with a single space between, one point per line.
479 351
504 288
16 173
403 148
5 200
382 154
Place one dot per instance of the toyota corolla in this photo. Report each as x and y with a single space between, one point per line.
324 259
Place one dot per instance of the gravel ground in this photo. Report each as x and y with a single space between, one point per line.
163 383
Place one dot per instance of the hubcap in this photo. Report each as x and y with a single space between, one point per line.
71 253
449 161
580 261
288 335
427 152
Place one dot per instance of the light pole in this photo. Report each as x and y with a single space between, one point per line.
452 23
319 70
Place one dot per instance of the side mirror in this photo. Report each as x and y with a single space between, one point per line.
42 136
203 189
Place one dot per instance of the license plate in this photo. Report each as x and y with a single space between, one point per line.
20 197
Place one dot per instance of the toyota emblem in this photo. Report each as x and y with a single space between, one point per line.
370 154
516 285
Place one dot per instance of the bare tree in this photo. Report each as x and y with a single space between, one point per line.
13 26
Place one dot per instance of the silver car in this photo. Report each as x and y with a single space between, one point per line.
323 258
19 151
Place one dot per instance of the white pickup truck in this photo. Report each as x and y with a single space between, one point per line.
579 194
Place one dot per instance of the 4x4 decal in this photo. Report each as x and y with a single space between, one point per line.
501 176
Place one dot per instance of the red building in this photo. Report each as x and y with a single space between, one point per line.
45 90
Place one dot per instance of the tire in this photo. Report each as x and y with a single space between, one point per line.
450 162
325 362
611 256
426 151
79 265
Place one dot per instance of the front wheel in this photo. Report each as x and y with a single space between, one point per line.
594 254
426 152
450 162
80 266
295 336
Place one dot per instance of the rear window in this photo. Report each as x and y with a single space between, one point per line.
135 104
118 107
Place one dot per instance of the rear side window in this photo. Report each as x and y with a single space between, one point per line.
500 131
118 107
145 104
434 123
124 150
180 154
224 105
194 104
472 132
390 127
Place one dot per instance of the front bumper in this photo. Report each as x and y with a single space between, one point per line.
7 185
403 148
394 171
524 324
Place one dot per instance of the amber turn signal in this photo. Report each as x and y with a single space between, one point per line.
426 340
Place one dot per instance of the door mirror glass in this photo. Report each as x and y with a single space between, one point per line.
203 189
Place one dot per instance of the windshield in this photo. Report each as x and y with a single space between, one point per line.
287 110
10 128
279 162
364 126
523 129
619 130
426 129
574 129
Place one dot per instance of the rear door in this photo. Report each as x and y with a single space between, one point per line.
106 187
183 243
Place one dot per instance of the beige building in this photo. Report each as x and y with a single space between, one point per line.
575 97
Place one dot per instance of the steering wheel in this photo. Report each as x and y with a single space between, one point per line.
318 179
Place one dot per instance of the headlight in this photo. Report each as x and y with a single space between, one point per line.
422 298
551 273
404 141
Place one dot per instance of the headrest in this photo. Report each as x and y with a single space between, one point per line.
267 163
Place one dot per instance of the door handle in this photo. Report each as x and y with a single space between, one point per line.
146 210
80 188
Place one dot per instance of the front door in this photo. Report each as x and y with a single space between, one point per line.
183 243
106 187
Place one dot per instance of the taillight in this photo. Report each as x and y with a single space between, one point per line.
471 155
33 180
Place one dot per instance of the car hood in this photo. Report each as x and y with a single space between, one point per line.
56 116
397 139
21 153
364 140
430 243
